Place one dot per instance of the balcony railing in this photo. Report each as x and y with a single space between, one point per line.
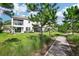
18 22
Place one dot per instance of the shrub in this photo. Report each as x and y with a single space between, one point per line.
74 43
9 47
15 47
21 44
74 38
46 39
1 31
10 40
35 41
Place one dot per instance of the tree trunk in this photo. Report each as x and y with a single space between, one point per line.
49 31
41 40
41 36
71 27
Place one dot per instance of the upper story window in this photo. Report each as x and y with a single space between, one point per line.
18 22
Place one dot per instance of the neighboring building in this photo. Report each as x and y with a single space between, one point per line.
7 28
21 24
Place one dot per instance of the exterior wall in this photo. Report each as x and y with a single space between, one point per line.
12 29
26 23
12 22
22 30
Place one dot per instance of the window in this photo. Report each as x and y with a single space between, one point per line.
18 22
17 29
27 28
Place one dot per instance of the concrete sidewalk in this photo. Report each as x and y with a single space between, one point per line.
59 48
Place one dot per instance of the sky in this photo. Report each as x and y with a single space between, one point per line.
20 10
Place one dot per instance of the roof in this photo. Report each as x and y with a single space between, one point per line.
20 17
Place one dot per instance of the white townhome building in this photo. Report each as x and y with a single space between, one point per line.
21 24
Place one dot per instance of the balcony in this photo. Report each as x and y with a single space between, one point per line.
18 22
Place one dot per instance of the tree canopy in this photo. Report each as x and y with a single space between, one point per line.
9 6
71 16
45 13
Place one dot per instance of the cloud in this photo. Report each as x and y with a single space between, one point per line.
76 5
16 6
23 8
60 13
19 9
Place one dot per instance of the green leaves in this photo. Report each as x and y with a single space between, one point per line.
7 22
32 6
1 24
45 13
71 16
9 6
71 13
8 13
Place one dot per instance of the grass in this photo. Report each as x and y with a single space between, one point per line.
74 43
4 36
22 43
74 38
24 47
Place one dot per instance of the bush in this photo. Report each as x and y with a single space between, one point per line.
11 40
21 44
15 47
74 43
46 39
35 41
1 31
74 38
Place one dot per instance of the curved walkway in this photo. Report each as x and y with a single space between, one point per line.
59 48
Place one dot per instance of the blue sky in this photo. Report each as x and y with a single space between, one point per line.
63 5
20 9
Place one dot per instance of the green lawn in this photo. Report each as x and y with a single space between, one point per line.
24 44
23 47
4 36
74 43
73 38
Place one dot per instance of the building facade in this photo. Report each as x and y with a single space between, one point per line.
21 24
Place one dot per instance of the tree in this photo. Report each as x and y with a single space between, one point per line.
64 27
10 8
51 18
71 16
76 27
1 24
9 12
7 22
45 12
